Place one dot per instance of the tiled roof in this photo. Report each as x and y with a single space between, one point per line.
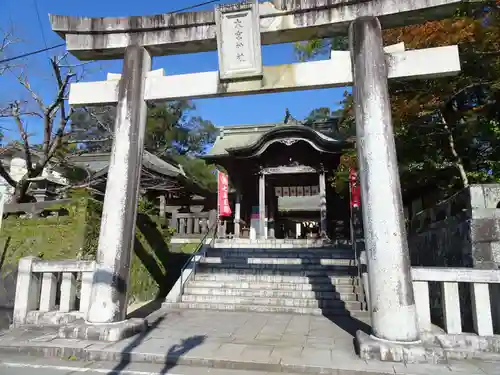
149 161
233 137
238 136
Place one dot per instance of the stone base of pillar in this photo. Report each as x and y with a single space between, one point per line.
103 332
371 348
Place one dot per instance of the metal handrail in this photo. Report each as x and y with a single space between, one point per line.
201 246
354 243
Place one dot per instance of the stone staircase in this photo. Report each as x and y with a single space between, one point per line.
318 281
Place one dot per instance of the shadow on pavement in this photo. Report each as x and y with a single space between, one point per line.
176 351
172 356
126 354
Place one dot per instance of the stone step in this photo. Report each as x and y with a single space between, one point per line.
267 309
271 293
287 302
270 278
281 270
320 287
233 260
274 244
284 252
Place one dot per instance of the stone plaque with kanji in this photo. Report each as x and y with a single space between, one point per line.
238 40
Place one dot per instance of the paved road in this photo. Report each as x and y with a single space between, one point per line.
20 365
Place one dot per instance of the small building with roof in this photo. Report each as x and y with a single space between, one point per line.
279 173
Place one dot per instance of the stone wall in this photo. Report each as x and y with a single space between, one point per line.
462 231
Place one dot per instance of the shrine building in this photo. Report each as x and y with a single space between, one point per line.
279 174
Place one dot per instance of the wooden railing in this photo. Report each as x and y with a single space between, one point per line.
480 281
40 282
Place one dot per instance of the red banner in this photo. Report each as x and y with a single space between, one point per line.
223 195
355 188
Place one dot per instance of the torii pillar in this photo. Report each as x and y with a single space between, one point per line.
117 235
392 303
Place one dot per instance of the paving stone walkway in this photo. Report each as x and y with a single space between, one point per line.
245 341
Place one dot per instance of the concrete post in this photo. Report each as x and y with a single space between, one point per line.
212 218
393 310
27 290
196 224
86 291
173 222
262 206
48 292
322 196
237 215
116 240
163 204
68 292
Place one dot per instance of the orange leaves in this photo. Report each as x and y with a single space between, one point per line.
434 33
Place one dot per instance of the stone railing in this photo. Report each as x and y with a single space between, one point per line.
484 305
52 292
192 223
46 208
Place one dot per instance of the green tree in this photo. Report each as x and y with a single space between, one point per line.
92 128
172 133
170 129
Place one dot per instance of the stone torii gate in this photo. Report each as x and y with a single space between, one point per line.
237 31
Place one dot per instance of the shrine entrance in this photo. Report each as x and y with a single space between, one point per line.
237 31
297 205
280 174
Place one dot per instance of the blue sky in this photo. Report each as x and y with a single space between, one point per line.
21 15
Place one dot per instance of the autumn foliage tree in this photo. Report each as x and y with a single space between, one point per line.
446 128
451 123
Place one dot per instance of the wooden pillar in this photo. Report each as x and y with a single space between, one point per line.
322 196
237 214
262 206
393 310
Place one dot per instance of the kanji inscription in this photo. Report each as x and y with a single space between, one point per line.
238 40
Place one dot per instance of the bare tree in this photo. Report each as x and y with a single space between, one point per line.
6 40
54 117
